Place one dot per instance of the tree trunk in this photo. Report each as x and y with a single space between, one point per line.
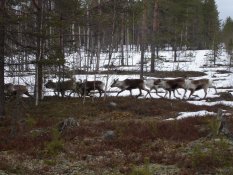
2 58
175 53
111 46
152 65
39 54
122 42
142 61
154 34
143 35
61 45
98 53
98 41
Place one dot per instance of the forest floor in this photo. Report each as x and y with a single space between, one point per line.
116 135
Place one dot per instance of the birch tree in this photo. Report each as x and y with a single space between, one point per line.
38 4
143 36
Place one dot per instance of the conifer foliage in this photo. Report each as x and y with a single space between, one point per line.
43 32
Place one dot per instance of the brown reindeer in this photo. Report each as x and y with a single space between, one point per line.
62 87
87 86
172 85
16 90
129 84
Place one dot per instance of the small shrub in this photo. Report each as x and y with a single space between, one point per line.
144 170
50 162
56 145
211 154
214 126
30 121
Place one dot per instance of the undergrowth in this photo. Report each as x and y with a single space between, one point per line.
138 124
210 154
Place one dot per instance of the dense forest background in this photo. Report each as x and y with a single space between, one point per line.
36 36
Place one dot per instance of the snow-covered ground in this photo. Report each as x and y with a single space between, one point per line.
183 115
189 61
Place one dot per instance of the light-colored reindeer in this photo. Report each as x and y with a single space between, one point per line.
195 85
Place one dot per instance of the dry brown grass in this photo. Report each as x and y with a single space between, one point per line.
141 131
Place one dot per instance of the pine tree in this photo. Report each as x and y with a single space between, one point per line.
211 24
227 37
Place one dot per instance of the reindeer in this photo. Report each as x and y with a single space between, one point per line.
172 85
16 90
87 86
129 84
153 84
195 85
62 87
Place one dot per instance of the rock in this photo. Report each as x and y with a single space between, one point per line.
125 170
109 135
38 132
226 95
112 105
3 173
224 127
67 124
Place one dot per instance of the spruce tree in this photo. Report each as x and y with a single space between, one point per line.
227 37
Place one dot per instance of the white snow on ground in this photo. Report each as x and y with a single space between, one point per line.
204 103
195 61
190 61
183 115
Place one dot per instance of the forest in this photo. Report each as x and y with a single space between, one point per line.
58 52
39 35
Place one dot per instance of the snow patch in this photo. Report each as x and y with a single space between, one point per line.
183 115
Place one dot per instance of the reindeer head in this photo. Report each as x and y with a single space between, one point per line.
50 84
114 84
9 87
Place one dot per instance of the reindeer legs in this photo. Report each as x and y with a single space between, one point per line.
175 94
170 94
120 91
100 91
29 95
205 90
184 93
165 93
191 93
148 92
139 93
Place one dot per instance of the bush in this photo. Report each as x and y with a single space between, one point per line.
144 170
214 154
56 145
214 126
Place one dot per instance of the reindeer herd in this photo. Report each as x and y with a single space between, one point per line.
169 85
84 88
